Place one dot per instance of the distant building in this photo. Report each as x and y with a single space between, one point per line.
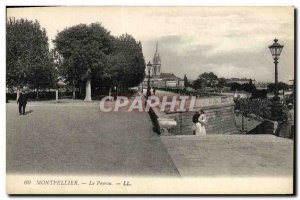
156 63
240 80
262 85
159 79
167 80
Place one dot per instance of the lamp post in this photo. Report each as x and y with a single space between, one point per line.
275 50
149 66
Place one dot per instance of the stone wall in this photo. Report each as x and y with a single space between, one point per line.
220 120
219 110
214 101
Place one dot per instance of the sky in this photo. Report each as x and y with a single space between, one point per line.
229 41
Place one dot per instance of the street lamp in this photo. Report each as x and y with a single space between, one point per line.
275 50
149 66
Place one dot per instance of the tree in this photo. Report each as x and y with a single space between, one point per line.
129 62
186 83
259 94
221 82
207 79
199 84
57 62
235 86
114 73
249 87
281 86
27 54
210 79
85 50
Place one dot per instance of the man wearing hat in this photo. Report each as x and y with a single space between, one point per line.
22 101
290 121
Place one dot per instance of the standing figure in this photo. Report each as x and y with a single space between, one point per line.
200 125
290 121
153 91
195 121
22 101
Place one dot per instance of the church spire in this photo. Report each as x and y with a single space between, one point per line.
156 62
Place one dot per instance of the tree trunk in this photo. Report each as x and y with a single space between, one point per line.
56 95
88 91
80 89
18 93
73 90
37 93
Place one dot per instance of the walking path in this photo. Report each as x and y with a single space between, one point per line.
82 140
231 155
76 138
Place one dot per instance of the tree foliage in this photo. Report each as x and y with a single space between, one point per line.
186 82
199 84
206 79
222 82
209 78
113 61
235 86
281 86
27 54
83 47
247 87
127 64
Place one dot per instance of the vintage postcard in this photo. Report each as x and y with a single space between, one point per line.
150 100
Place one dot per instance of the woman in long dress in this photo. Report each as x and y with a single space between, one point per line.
200 125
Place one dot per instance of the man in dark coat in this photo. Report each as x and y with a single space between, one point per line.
22 101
